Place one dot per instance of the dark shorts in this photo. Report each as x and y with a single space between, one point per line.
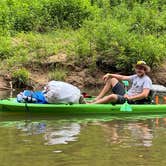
119 90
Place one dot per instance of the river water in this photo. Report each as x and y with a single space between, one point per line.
44 140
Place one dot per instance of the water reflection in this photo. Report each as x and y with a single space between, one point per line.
142 133
53 133
62 135
128 135
32 128
116 132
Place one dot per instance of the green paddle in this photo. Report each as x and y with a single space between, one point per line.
126 107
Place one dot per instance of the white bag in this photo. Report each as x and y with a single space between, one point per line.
61 92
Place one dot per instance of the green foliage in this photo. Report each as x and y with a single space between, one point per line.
112 33
28 49
57 74
119 48
144 18
67 12
42 15
5 47
20 77
82 45
132 31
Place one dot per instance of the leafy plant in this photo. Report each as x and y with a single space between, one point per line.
20 78
57 74
5 47
67 12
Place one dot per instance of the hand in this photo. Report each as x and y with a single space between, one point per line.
126 96
106 77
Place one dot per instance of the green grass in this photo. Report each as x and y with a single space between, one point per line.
57 74
26 49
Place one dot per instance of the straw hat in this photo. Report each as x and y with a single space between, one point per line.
143 64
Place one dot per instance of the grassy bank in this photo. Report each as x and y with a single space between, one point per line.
109 35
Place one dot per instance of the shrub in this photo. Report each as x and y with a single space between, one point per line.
6 49
67 12
57 74
143 18
119 49
82 45
20 78
27 16
42 15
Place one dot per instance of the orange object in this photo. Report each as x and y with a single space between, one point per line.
164 99
157 99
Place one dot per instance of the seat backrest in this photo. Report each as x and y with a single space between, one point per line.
158 88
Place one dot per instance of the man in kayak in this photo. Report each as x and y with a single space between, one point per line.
54 92
141 85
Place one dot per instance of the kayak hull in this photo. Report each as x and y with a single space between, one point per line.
12 106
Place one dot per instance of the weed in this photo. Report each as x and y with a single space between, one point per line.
58 74
20 78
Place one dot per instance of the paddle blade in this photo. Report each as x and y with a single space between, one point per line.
126 107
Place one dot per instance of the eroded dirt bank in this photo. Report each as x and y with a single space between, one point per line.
78 75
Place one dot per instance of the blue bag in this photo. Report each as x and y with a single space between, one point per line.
31 97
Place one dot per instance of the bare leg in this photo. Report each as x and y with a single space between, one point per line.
107 99
109 84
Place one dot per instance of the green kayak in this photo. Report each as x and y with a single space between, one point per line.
12 105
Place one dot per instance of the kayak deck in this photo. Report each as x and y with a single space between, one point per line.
13 106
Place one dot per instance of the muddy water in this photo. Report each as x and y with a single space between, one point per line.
84 141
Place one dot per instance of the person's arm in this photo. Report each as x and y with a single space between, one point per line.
140 96
120 77
117 76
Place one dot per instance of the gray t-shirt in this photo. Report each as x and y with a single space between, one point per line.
138 84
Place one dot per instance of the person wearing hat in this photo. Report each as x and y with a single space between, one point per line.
139 92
